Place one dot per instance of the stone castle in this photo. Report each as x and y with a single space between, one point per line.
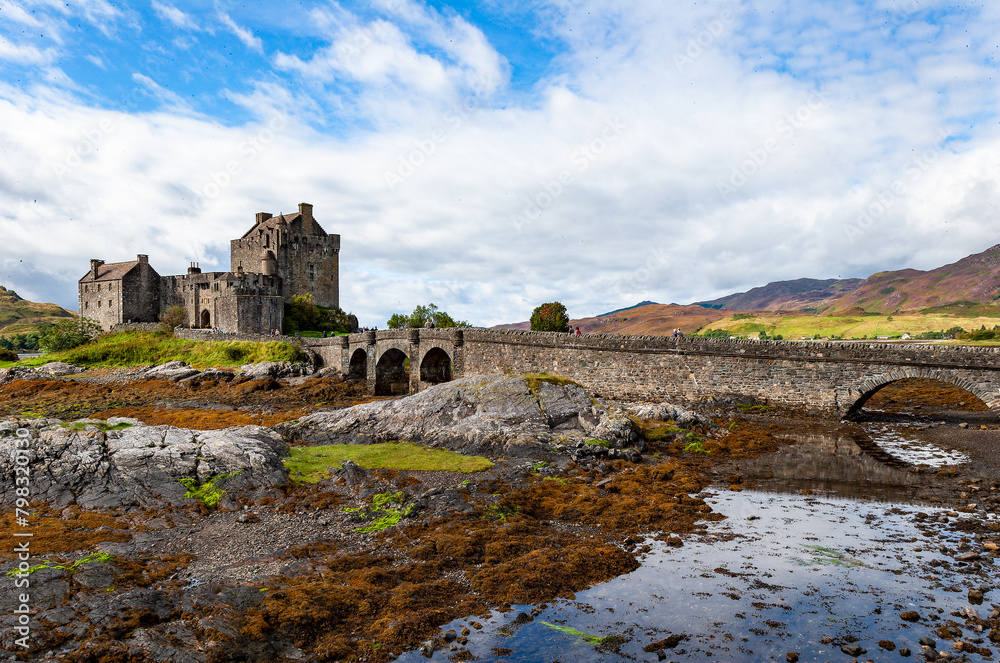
278 258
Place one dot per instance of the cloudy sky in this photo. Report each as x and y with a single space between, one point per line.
495 155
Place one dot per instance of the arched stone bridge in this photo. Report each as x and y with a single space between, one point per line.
833 376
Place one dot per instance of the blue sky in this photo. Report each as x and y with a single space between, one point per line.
492 156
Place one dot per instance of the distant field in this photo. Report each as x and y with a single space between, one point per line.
793 327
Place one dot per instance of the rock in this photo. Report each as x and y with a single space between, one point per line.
853 649
450 635
483 415
172 371
931 654
963 425
975 597
667 412
277 369
427 648
904 651
927 642
141 465
910 616
661 655
791 657
350 472
968 557
969 612
58 368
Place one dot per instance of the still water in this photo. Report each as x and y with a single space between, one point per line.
786 572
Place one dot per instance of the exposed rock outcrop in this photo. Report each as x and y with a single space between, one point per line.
277 369
139 465
483 415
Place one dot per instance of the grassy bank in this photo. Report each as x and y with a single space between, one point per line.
793 327
142 348
311 464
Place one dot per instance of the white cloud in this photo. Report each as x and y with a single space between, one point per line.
248 38
598 187
175 16
24 53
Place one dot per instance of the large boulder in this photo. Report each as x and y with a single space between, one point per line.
172 370
140 465
277 369
59 368
495 416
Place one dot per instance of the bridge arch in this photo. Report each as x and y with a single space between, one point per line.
873 384
392 373
436 366
358 366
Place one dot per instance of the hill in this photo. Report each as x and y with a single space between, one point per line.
972 283
18 316
653 319
808 295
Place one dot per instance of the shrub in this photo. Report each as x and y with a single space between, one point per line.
172 317
7 355
421 314
68 334
550 317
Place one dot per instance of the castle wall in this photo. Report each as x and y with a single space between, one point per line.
102 301
140 294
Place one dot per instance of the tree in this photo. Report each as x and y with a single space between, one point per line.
303 314
550 317
421 314
68 334
171 318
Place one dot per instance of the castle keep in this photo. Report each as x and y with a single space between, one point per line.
278 258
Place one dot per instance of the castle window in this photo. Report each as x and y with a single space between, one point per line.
86 305
312 272
267 241
85 288
98 303
98 287
109 303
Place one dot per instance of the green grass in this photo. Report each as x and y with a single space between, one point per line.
207 492
385 511
535 381
309 464
142 348
591 639
793 327
92 558
102 426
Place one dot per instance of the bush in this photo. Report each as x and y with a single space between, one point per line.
303 314
550 317
421 314
7 355
171 318
68 334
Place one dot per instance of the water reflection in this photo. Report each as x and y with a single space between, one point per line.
782 574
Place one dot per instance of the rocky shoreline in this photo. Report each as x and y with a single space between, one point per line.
140 566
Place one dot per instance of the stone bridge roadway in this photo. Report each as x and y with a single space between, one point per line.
832 376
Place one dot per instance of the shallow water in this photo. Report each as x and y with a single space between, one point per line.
903 441
781 573
823 549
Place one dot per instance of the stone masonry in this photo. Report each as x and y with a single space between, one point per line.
829 376
278 258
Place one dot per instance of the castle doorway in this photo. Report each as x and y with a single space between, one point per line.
206 319
392 373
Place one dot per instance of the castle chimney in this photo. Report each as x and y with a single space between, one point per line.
306 210
143 259
263 216
194 269
94 265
